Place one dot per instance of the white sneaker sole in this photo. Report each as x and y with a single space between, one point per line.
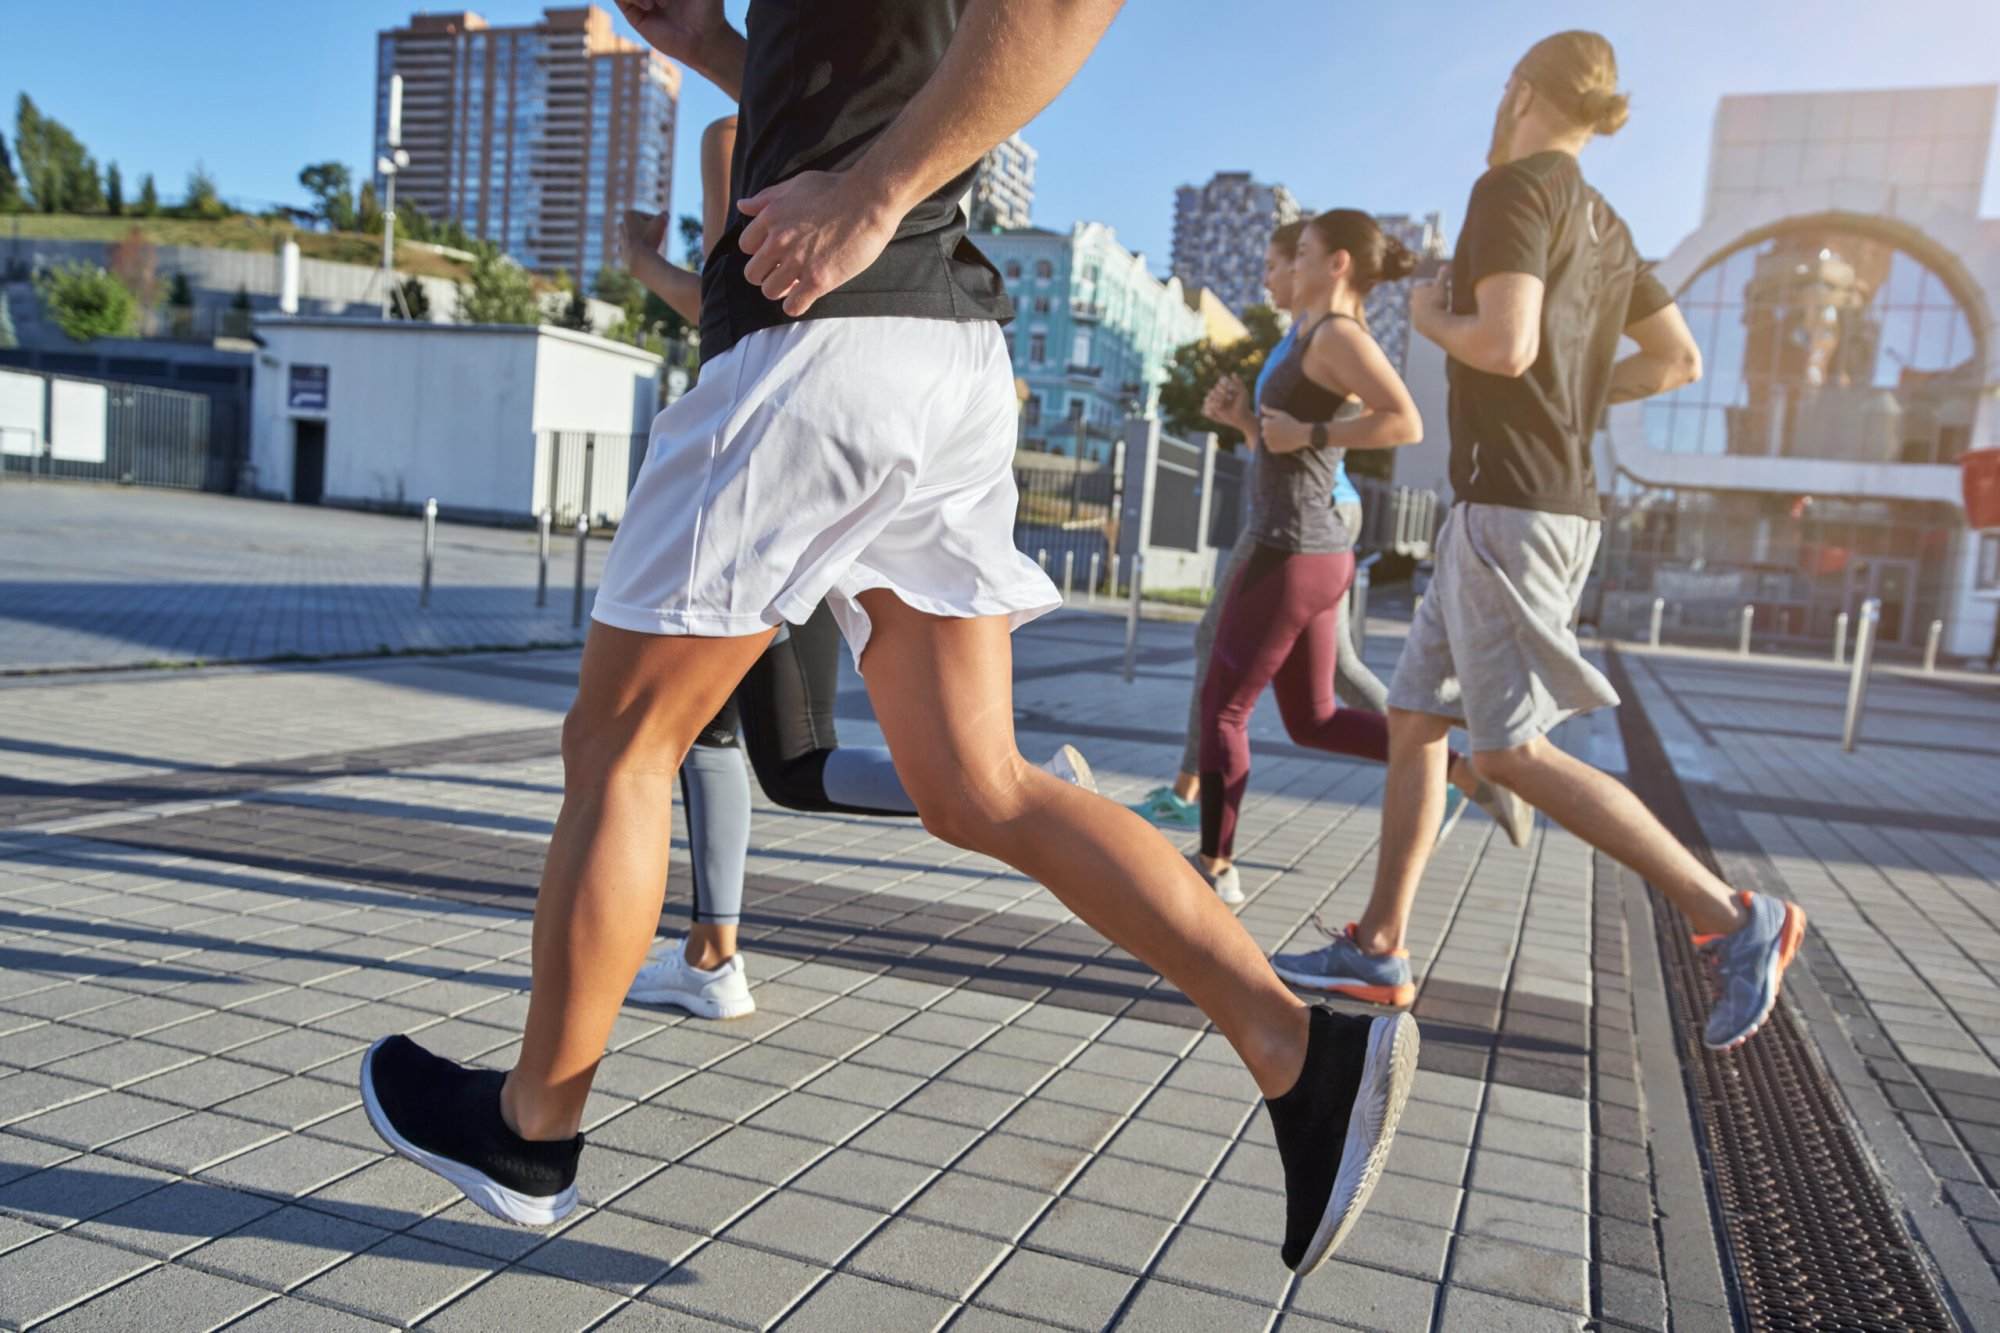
1390 1069
701 1006
1069 758
527 1210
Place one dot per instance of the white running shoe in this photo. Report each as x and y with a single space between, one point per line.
1069 764
668 979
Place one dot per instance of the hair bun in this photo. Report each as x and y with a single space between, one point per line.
1397 261
1605 112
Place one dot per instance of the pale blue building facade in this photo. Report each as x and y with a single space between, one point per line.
1092 334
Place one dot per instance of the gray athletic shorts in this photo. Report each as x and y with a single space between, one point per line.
1491 646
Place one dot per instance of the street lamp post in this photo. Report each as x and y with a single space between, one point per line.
388 166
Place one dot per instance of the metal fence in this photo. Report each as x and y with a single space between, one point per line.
1069 509
585 473
74 429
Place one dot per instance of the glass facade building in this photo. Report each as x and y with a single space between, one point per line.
536 137
1842 290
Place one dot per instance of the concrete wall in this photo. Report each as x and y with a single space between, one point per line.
412 411
453 411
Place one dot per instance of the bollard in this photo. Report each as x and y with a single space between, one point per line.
1069 572
1931 642
1748 617
430 548
582 549
1042 559
1357 610
1857 682
1115 560
1840 639
1093 584
1659 613
542 521
1132 619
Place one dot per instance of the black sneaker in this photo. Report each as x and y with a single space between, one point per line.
1335 1126
446 1118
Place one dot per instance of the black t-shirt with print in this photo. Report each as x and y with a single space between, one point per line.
821 81
1526 442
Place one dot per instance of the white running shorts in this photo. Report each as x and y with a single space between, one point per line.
819 460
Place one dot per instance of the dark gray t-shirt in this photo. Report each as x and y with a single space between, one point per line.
821 81
1291 504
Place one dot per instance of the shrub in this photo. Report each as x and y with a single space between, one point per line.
88 302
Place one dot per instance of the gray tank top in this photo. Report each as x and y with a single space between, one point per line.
1291 505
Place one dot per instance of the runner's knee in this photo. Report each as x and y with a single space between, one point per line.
973 809
1507 766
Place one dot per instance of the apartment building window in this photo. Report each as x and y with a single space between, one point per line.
1031 411
1013 269
1075 410
1044 270
1038 348
1041 305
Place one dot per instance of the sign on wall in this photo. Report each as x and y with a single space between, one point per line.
21 413
77 412
307 391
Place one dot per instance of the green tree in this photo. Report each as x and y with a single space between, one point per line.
691 241
10 184
60 175
412 301
114 191
204 199
367 212
332 187
499 291
1195 367
180 292
87 302
149 197
576 312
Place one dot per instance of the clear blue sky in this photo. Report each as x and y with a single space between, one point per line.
1383 105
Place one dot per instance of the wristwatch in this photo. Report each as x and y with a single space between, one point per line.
1319 440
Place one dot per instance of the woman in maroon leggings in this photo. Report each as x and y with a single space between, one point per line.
1333 391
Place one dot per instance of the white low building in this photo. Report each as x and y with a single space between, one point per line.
495 421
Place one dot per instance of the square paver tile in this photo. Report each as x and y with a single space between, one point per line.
611 1250
523 1300
1239 1266
1164 1307
176 1218
1057 1291
934 1258
291 1167
284 1248
1098 1233
194 1142
58 1271
739 1285
399 1281
806 1226
77 1189
1522 1272
849 1304
165 1297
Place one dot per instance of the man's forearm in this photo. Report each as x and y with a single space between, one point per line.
1642 375
680 288
1008 60
721 63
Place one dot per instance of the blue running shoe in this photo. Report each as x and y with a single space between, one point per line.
1342 967
1164 808
1750 964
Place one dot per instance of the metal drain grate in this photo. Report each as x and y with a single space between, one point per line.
1813 1241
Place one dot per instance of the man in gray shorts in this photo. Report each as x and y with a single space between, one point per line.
1545 285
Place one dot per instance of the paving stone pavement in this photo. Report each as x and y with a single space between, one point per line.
101 576
955 1107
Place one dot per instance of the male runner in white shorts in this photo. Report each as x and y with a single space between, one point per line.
851 439
1544 286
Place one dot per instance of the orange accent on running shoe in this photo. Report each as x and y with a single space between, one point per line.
1397 997
1793 935
1703 941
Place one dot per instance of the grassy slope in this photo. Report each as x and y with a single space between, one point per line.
238 233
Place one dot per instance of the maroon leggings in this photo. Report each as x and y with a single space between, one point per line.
1277 629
